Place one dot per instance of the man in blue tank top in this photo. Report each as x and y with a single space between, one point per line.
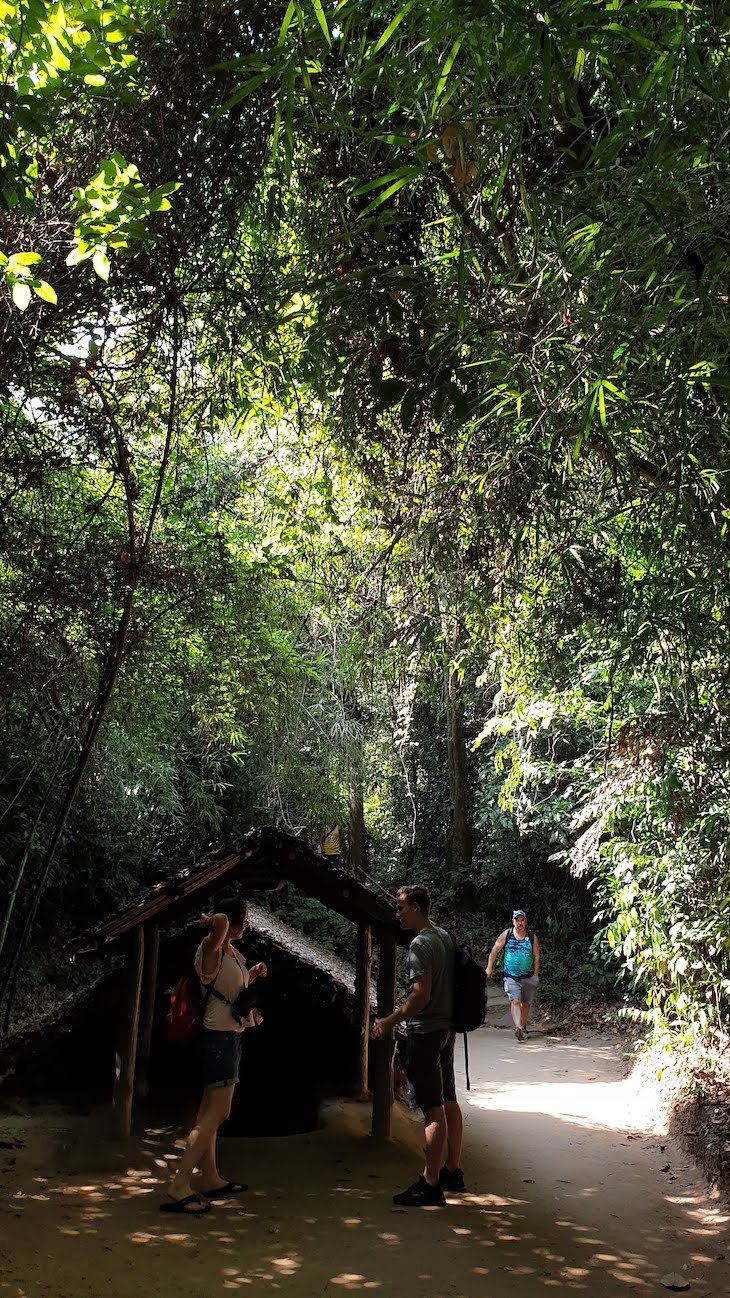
521 970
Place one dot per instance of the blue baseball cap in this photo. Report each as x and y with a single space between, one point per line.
515 913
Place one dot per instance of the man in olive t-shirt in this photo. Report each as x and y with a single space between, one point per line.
428 1013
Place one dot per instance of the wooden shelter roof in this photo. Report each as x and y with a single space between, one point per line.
260 862
289 940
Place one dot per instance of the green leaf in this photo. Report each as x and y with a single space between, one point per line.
408 408
45 291
292 9
322 19
391 190
390 29
21 294
25 258
390 392
100 262
169 187
448 65
602 406
246 88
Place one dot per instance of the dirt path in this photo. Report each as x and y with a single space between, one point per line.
566 1193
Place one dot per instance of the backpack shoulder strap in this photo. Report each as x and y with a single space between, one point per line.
451 938
210 990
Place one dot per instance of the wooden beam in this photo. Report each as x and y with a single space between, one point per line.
361 1008
126 1054
147 1009
383 1050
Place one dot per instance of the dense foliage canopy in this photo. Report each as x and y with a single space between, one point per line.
364 451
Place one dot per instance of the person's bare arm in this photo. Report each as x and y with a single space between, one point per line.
536 955
498 946
416 1000
217 934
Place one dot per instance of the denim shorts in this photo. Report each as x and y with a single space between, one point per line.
430 1067
221 1057
521 989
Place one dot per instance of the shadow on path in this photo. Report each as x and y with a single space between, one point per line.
565 1193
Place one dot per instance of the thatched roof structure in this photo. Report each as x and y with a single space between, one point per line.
334 978
277 934
265 859
262 861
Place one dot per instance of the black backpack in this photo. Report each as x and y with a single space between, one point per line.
470 996
470 990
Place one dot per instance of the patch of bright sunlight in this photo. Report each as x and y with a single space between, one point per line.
286 1265
349 1280
589 1104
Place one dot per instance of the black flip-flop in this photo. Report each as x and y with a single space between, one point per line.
193 1205
224 1191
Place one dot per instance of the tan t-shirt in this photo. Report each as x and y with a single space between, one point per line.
331 841
232 978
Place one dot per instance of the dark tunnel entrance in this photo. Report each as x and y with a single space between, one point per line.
302 1053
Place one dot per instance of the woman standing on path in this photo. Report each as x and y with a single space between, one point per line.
224 976
521 970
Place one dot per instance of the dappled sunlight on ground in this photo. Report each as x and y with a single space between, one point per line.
564 1194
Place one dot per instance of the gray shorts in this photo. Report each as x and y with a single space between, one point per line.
522 989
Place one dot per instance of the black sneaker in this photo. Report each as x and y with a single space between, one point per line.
421 1195
453 1181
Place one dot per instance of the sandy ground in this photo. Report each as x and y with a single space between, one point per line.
569 1190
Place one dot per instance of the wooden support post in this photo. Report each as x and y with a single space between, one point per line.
361 1011
127 1051
383 1054
147 1008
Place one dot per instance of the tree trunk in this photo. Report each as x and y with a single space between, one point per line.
459 838
357 846
114 656
23 862
105 689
